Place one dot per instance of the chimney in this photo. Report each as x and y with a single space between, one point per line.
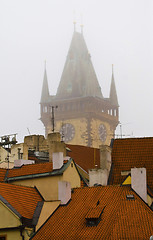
19 153
98 176
139 182
55 144
20 162
57 159
64 192
105 157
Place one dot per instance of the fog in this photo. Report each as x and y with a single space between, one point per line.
116 32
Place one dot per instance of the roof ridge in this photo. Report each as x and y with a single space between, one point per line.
15 185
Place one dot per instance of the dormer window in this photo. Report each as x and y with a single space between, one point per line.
93 217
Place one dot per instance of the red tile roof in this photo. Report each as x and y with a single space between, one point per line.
30 169
129 153
85 157
23 199
2 174
121 218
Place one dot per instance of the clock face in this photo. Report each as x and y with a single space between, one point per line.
102 132
67 132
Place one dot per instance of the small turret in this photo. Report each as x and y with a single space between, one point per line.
45 89
113 94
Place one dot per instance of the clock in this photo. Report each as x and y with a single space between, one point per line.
102 132
67 132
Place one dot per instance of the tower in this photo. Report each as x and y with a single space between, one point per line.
83 116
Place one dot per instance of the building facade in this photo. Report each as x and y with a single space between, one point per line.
78 110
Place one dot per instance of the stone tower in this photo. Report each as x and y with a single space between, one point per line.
83 116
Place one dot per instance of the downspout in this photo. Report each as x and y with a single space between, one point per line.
21 233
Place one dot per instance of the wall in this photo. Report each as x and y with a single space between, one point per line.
71 175
15 234
95 123
3 155
47 210
9 219
80 125
48 186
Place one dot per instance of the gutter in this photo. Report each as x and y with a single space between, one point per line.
30 176
21 233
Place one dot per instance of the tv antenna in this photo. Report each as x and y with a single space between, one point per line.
8 140
121 135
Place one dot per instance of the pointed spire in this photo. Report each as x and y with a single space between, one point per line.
81 28
74 25
113 94
45 89
81 24
74 21
78 78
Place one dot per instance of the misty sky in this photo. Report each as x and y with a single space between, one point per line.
116 32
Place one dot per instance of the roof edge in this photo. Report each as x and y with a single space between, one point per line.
53 173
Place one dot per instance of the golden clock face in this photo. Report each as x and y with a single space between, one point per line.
102 132
67 132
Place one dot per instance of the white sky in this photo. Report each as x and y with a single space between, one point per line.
116 31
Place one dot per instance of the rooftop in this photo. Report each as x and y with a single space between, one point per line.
22 200
32 170
116 215
85 157
129 153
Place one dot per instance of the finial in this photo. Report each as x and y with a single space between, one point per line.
74 22
74 25
81 24
45 64
112 68
81 28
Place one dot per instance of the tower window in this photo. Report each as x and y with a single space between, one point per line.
45 109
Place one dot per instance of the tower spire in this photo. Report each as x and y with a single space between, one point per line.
45 89
113 94
81 24
74 21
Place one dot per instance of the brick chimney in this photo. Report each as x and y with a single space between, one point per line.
139 182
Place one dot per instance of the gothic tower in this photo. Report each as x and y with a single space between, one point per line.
83 116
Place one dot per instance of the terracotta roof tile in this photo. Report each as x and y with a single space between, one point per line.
129 153
31 169
121 218
94 212
85 157
23 199
2 174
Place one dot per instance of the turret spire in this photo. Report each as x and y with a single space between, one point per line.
74 25
45 89
81 24
113 95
